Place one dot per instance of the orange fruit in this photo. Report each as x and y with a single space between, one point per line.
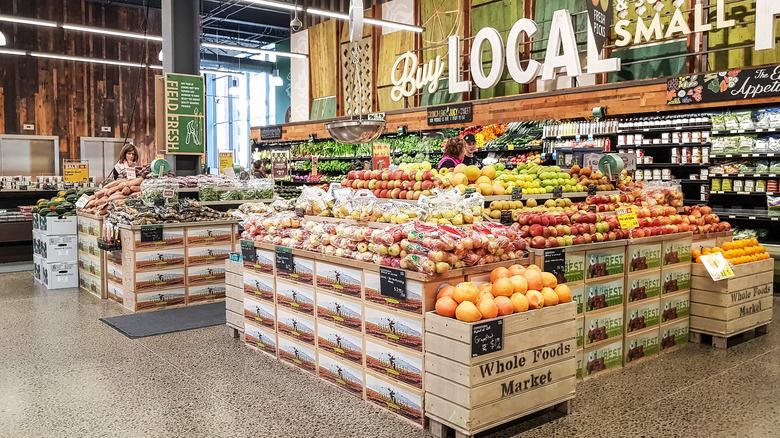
487 307
482 293
516 270
519 302
535 299
534 279
549 280
728 245
465 292
550 297
467 312
446 291
564 293
534 268
519 284
503 287
445 306
696 253
505 306
499 273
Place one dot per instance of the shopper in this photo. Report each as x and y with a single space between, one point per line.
471 148
259 169
454 152
127 159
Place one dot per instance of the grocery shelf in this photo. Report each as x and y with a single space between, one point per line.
744 175
747 214
233 202
665 129
666 145
721 192
740 155
694 181
746 131
581 136
662 165
570 195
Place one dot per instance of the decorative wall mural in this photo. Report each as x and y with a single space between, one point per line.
357 99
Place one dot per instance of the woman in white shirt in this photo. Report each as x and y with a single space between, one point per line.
127 158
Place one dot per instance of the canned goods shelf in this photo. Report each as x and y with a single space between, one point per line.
739 155
746 131
665 129
665 146
662 165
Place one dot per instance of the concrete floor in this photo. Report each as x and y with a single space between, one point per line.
63 373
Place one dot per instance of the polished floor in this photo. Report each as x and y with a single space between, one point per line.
63 373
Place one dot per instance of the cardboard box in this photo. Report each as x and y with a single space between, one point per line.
90 265
414 294
208 255
394 327
264 264
154 260
675 306
114 273
54 226
295 297
342 374
261 338
394 364
206 274
172 237
603 295
296 326
114 257
145 281
91 284
580 363
676 251
340 343
155 299
605 262
340 311
643 314
574 266
303 271
578 295
259 286
643 285
115 292
37 267
676 278
644 256
209 235
674 333
205 292
603 325
88 226
57 248
644 343
260 313
88 245
580 331
395 398
59 275
301 355
339 279
602 357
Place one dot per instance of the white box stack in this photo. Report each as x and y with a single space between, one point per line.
56 253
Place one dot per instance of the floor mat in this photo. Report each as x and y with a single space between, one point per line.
141 325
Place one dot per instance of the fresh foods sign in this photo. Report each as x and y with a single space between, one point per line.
185 127
408 76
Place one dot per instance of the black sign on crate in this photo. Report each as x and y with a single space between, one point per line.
151 233
592 190
593 208
452 113
555 263
284 259
271 133
557 192
506 217
517 194
487 337
248 251
392 283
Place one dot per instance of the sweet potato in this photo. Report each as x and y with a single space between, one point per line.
135 189
116 196
134 182
126 191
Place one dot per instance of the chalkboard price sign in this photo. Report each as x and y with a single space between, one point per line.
592 190
392 283
248 252
557 192
284 259
517 194
555 263
506 217
487 337
151 233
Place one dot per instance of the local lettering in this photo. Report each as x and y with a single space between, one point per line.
511 387
500 366
750 309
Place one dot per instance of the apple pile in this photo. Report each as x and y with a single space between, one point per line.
547 230
396 184
551 205
530 157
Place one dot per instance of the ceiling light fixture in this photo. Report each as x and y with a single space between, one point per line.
2 39
111 32
22 20
234 90
255 51
76 58
275 80
160 56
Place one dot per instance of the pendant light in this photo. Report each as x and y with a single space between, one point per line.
234 90
275 80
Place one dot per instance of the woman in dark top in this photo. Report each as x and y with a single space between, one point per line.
454 151
259 169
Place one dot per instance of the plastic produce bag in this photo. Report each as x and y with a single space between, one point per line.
315 201
157 189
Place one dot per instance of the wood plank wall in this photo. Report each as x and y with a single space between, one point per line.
71 99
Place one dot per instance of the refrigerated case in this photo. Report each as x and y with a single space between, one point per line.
101 153
29 155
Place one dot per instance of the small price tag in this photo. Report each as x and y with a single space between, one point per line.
248 251
511 147
717 266
517 194
487 337
151 233
506 217
555 263
130 172
470 190
284 259
627 218
82 201
168 193
22 187
392 283
299 212
557 192
592 190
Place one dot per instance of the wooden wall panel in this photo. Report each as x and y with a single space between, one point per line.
323 59
390 46
740 10
72 99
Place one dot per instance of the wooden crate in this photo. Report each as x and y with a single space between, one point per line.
607 262
342 374
536 369
643 254
674 334
262 338
733 306
641 345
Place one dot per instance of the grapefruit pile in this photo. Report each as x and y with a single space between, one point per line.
737 252
511 290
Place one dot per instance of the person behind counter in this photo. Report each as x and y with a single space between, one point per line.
454 152
127 159
258 169
471 147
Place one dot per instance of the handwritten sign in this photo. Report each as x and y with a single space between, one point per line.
449 114
82 201
748 83
284 259
151 233
487 337
248 251
717 266
517 194
392 283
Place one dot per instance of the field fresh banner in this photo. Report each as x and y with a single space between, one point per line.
728 85
185 118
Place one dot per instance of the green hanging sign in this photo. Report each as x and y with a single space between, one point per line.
185 116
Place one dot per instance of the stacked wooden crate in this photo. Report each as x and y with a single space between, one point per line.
234 295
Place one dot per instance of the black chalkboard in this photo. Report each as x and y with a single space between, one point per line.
506 217
517 194
151 233
392 283
746 83
271 132
487 337
557 192
591 190
555 263
452 113
248 252
22 187
284 259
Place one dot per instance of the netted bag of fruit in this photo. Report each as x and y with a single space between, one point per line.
470 208
363 202
441 207
314 201
419 263
398 212
342 203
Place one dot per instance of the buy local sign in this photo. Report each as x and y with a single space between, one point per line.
185 118
408 76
